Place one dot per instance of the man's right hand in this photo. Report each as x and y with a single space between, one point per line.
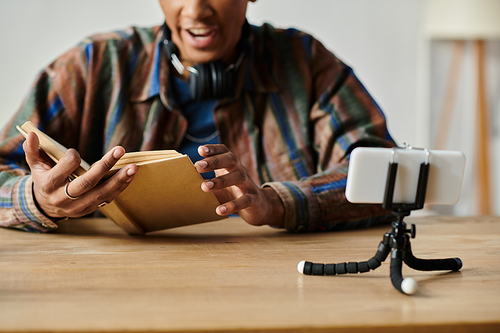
49 181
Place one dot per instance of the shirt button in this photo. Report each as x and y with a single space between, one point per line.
168 138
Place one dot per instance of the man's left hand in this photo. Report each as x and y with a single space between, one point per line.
236 191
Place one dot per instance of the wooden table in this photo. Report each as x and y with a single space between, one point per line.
229 276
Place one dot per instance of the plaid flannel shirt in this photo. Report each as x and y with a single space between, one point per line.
297 113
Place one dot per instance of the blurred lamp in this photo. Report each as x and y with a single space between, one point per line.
461 21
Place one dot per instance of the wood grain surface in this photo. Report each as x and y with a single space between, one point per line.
228 276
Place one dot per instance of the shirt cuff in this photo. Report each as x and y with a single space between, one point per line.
27 213
301 206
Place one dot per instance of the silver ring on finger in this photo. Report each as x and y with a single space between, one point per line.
67 194
102 204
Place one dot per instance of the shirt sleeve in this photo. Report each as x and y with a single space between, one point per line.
345 116
18 209
43 106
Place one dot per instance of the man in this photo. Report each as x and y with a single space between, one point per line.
276 124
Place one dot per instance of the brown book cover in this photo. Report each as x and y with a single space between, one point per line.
165 193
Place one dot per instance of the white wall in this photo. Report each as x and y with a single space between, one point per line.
35 32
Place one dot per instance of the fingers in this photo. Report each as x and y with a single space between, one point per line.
259 208
33 154
110 189
244 191
65 167
46 174
236 205
30 146
217 157
209 150
104 192
237 178
58 198
87 182
233 186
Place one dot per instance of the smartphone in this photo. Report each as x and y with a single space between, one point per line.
368 167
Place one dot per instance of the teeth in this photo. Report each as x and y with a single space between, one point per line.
200 31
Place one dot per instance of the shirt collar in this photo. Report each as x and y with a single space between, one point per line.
151 78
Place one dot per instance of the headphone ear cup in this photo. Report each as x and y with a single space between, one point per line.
211 81
221 80
228 87
215 80
207 88
200 83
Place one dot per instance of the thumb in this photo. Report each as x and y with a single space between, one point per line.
33 153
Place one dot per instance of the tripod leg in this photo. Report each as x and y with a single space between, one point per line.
450 264
309 268
406 286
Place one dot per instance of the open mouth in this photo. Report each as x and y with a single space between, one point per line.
200 38
201 33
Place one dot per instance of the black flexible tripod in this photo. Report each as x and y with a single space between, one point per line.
397 239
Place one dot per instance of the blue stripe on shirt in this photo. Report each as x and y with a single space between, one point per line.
285 131
6 204
22 201
89 50
301 202
54 109
306 42
330 186
154 88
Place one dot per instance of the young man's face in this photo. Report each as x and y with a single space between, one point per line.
205 30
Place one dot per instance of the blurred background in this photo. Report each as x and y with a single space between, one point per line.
424 74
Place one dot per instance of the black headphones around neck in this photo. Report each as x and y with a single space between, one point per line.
212 80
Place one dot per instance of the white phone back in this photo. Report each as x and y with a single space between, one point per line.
367 175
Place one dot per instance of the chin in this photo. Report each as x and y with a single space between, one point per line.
204 59
198 56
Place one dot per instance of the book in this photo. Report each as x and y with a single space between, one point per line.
165 193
